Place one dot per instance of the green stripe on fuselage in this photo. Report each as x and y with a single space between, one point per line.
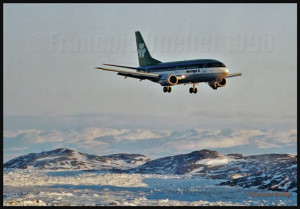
197 63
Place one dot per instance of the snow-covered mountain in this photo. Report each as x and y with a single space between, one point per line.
67 159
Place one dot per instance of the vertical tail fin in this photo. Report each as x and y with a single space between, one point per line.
143 53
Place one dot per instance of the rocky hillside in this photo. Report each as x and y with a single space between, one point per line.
276 172
271 171
66 159
179 164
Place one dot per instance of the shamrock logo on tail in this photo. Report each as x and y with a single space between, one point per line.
141 50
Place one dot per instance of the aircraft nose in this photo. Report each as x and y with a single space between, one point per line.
226 71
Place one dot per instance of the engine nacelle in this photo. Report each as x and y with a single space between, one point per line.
168 80
222 83
217 84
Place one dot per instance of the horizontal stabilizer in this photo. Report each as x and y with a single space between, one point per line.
134 68
139 75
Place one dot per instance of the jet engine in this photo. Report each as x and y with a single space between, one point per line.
217 84
168 80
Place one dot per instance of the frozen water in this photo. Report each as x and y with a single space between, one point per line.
82 188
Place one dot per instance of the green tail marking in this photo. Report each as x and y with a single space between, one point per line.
143 53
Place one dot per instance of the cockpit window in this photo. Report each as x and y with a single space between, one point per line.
222 65
215 64
219 64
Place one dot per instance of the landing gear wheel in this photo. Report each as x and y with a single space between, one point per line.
193 90
167 89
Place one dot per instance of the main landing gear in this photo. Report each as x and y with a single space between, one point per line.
167 89
193 89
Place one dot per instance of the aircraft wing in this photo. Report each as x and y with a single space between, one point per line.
233 75
138 75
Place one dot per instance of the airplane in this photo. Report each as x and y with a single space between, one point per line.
168 74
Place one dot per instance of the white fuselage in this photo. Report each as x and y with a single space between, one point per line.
195 75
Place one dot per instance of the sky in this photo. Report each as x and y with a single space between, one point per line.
51 51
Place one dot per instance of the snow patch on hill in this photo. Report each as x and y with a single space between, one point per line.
213 162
